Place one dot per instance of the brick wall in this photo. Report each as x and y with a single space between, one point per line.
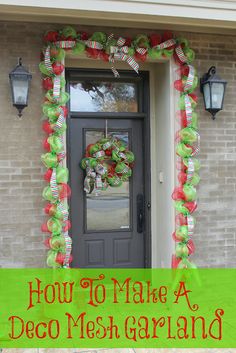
21 172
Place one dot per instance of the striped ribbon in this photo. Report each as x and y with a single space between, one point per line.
120 52
53 184
100 169
56 87
188 109
125 170
190 223
63 210
98 182
93 44
60 120
122 155
197 147
47 60
68 242
65 44
61 156
107 145
189 82
141 51
166 44
99 154
180 54
190 170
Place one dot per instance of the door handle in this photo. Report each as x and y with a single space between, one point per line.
140 213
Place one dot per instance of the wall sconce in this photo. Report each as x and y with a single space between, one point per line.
213 90
19 81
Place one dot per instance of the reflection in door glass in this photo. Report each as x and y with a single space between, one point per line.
97 96
110 209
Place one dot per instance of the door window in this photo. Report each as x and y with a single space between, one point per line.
110 209
102 96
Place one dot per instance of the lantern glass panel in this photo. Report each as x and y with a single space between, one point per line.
20 89
207 95
217 92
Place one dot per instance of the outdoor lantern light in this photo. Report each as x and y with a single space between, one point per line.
19 80
213 90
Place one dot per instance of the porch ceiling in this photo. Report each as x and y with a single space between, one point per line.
199 16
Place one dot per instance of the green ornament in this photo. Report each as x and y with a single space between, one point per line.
99 37
182 102
188 135
181 250
182 233
49 160
130 156
155 53
190 192
179 206
195 179
47 194
54 225
131 51
79 48
69 31
183 151
51 259
168 53
44 70
62 175
195 161
55 143
110 43
57 242
114 181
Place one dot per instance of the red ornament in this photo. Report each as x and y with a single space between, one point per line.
178 84
175 262
46 145
60 258
108 152
182 177
181 220
92 53
51 36
44 228
191 247
128 41
104 56
178 194
140 57
47 175
155 39
58 68
191 206
65 191
84 36
47 83
47 243
47 127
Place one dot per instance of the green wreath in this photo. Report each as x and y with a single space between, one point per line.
108 162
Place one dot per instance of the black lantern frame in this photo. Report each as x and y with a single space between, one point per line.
19 82
209 81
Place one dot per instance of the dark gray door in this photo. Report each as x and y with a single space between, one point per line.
109 229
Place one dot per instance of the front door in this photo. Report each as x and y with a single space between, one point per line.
110 228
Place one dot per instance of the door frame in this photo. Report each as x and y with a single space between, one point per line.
144 98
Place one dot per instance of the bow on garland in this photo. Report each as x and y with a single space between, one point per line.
99 45
120 52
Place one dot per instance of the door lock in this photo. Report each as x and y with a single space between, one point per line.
140 213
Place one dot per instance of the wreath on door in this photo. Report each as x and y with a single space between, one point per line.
108 162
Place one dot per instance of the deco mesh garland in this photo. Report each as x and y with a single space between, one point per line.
110 49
